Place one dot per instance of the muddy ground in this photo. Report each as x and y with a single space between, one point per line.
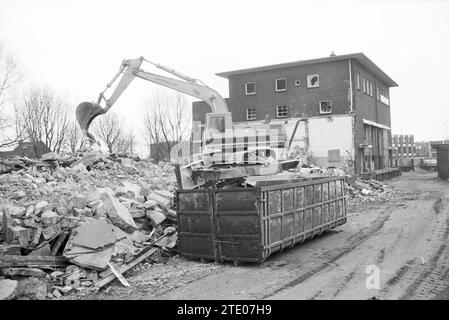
403 240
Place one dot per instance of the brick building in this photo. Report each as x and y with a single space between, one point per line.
404 148
423 149
344 98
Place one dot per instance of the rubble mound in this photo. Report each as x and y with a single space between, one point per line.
368 191
78 221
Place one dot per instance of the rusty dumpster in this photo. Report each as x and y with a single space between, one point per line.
249 224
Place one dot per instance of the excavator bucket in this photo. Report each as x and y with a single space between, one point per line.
86 112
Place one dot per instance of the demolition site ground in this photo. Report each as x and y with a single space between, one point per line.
401 238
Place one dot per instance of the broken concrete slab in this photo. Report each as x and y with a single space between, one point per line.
70 222
156 217
93 234
49 218
51 232
91 244
164 199
16 211
149 204
33 288
56 293
118 213
8 289
131 189
138 236
87 161
36 237
137 213
22 235
40 206
97 260
78 201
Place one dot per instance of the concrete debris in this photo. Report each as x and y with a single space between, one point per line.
118 213
66 217
8 289
367 191
32 288
29 272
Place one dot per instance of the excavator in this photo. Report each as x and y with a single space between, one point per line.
219 119
219 137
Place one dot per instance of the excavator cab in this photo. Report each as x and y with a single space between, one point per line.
85 113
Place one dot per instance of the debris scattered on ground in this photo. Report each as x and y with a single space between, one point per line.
74 222
367 191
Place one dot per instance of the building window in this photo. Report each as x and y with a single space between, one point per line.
281 84
250 88
377 94
281 111
251 114
326 106
297 83
358 81
313 80
363 85
384 97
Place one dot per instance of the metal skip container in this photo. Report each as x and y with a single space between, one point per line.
250 224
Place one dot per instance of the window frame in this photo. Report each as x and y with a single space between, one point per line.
309 76
246 89
319 105
358 81
277 111
363 85
276 85
247 114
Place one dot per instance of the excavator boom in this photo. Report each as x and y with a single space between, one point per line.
129 69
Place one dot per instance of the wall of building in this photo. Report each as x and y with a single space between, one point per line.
301 100
330 140
317 138
369 107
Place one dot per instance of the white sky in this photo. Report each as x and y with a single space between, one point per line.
75 47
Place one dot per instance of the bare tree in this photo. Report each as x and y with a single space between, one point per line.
43 116
109 130
10 77
74 137
165 124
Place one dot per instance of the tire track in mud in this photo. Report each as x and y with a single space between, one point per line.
438 205
399 274
346 280
432 281
353 241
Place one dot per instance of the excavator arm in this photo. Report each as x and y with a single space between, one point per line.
129 69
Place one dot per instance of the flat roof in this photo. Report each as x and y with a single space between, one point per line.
359 57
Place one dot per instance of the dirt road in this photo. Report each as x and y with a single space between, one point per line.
392 250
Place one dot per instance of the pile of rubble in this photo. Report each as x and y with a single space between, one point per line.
74 222
367 191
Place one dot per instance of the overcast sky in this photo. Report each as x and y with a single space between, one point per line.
75 47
